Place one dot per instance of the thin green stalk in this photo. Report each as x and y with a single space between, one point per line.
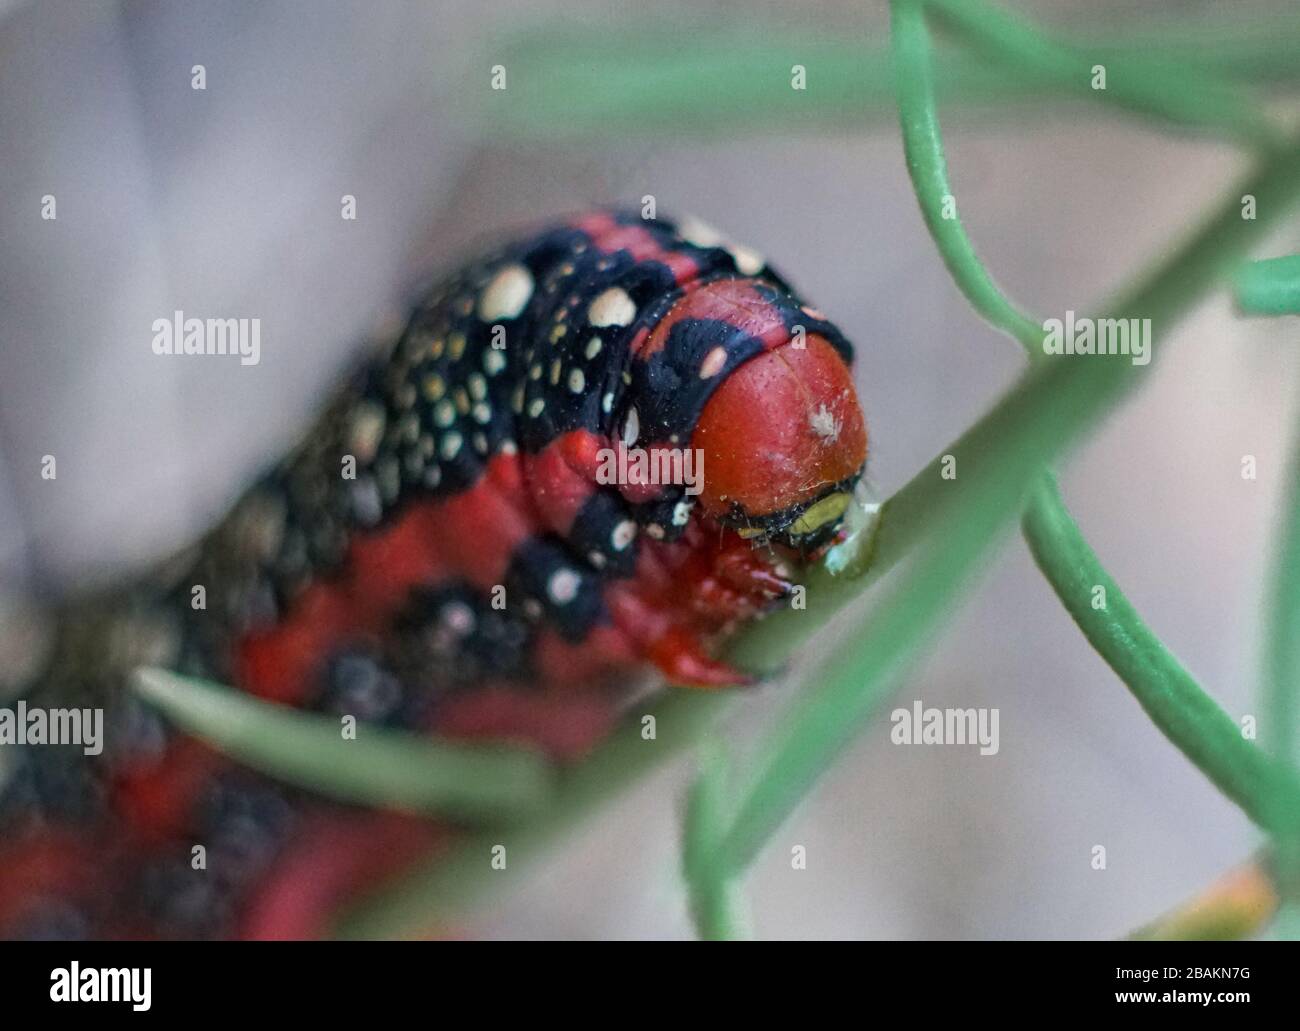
1269 287
1203 104
392 768
928 168
714 899
1281 704
1191 720
441 890
600 82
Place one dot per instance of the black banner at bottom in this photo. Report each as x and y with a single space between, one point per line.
346 980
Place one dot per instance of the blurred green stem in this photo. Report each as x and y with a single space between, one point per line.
714 897
480 782
1269 287
1281 714
441 890
600 82
1144 87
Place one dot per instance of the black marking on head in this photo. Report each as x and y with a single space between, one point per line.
668 390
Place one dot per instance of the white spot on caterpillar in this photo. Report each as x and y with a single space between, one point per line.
366 430
451 445
631 427
445 414
713 363
482 413
748 261
536 407
577 381
593 347
459 619
607 403
824 424
563 586
612 308
494 360
682 512
697 231
507 294
623 535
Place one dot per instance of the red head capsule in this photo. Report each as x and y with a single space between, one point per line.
783 439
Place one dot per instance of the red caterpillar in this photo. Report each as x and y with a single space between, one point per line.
444 552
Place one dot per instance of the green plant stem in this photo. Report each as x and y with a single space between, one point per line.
1281 707
379 767
441 890
591 83
714 899
1269 287
1184 713
1144 87
928 168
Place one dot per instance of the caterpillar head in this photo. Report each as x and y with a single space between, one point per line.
784 444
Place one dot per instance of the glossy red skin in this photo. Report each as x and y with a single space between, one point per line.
769 466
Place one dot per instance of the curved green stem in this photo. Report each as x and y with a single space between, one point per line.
1184 713
928 168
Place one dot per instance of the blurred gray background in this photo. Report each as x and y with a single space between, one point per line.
226 201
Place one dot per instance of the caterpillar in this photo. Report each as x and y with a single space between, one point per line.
473 539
